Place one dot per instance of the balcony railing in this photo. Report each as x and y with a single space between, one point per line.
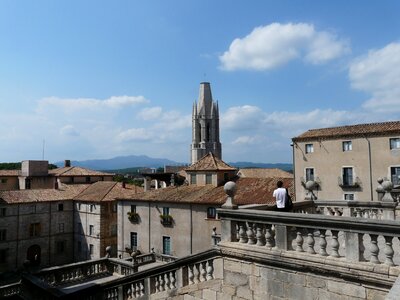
10 290
349 183
166 220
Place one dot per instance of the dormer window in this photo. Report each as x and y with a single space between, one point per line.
193 179
208 178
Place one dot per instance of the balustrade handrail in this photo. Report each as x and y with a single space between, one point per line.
355 203
317 221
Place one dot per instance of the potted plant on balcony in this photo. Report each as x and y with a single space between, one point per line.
166 219
133 216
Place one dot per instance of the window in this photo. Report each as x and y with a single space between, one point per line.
309 148
226 177
394 143
33 209
79 206
348 196
3 255
91 249
3 180
114 207
60 207
395 175
113 229
34 229
3 212
193 179
347 146
211 213
165 211
166 245
208 178
79 246
60 246
134 240
347 176
309 174
91 229
3 234
27 184
133 208
60 227
91 207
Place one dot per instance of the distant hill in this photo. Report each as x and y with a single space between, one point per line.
122 162
130 164
246 164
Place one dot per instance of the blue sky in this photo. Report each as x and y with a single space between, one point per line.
98 79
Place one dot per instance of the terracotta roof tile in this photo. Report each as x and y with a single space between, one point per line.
107 191
64 192
360 130
77 171
9 172
210 163
249 191
264 173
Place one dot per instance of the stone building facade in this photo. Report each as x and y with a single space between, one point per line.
344 163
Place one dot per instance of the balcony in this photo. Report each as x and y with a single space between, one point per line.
349 183
166 220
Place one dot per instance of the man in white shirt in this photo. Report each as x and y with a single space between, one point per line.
280 196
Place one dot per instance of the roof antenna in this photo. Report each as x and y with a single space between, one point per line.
43 150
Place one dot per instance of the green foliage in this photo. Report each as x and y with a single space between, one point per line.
17 166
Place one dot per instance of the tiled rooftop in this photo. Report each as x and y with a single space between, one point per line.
264 173
210 163
77 171
249 191
9 172
360 130
64 192
107 191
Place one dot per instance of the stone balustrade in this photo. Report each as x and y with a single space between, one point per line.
354 239
10 290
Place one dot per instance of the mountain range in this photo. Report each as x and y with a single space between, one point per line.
144 161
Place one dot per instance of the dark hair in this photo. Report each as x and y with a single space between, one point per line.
279 184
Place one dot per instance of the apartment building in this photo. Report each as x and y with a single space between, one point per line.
344 163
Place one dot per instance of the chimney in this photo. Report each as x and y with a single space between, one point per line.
123 184
67 163
56 185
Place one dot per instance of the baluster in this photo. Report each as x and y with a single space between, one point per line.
237 232
337 212
196 273
250 234
210 270
141 288
157 284
366 214
242 234
191 274
162 282
358 213
260 236
268 237
374 249
322 242
203 271
166 280
335 244
389 251
172 281
299 241
374 214
310 241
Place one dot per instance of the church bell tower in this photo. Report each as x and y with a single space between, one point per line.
205 125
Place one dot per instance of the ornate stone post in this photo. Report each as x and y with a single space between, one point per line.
228 228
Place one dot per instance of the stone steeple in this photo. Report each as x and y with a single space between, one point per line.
205 125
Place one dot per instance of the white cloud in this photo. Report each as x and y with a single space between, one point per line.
246 140
271 46
77 104
150 113
242 117
69 130
378 73
134 134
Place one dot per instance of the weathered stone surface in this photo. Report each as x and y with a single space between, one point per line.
235 279
376 295
229 290
222 296
244 292
275 288
295 291
316 282
209 294
232 265
247 268
347 289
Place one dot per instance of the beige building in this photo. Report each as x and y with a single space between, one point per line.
179 220
344 163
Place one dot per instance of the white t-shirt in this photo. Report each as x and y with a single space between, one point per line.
280 195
